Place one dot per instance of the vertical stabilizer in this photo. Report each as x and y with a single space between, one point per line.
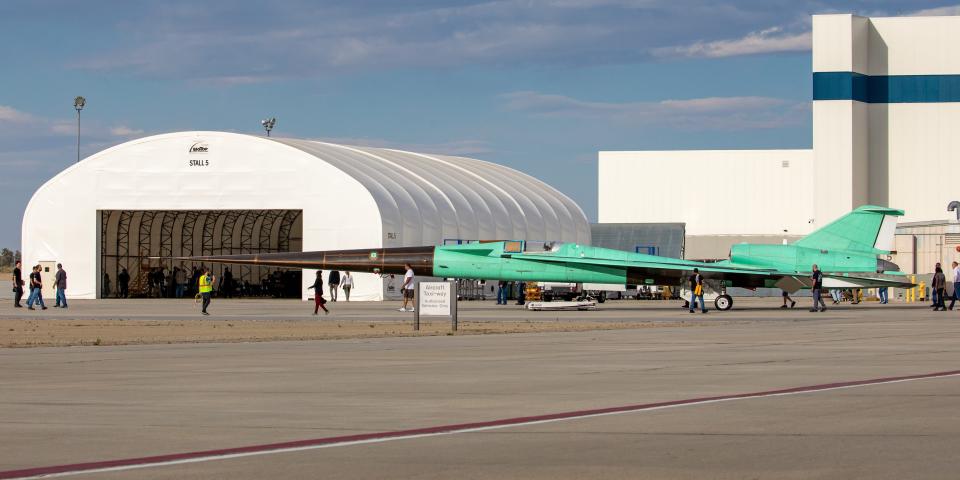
867 229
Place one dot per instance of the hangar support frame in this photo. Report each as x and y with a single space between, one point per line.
128 239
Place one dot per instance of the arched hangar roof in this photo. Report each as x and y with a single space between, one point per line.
425 199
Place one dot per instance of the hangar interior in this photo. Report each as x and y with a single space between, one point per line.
128 238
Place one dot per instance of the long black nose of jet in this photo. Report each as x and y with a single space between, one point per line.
373 260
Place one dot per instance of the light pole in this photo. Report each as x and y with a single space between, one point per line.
268 124
78 103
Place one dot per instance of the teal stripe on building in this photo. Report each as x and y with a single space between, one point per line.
886 88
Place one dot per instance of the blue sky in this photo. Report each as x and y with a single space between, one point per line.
538 85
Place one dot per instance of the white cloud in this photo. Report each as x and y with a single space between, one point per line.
125 131
10 114
63 128
709 113
936 12
771 40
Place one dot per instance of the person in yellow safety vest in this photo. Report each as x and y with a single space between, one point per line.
206 288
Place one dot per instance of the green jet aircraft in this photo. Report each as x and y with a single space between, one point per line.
846 251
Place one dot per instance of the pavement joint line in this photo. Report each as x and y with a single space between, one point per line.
380 437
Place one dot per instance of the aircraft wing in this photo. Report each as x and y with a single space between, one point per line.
838 280
668 271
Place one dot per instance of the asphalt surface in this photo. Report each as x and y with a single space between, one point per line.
89 404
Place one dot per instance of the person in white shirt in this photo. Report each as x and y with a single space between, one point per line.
346 283
956 283
407 288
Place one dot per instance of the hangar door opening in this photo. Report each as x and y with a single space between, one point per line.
129 237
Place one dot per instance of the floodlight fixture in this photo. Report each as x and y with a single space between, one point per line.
268 124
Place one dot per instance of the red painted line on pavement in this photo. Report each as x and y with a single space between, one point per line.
516 421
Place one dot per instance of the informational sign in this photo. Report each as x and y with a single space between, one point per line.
436 299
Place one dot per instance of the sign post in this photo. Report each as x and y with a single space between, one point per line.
436 299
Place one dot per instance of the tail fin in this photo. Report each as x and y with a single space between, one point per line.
867 229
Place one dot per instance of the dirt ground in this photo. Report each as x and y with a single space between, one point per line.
161 321
66 332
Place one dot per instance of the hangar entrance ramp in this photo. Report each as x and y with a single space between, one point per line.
128 238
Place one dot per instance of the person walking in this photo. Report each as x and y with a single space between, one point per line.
817 278
334 281
319 301
60 282
206 289
17 285
956 283
407 288
502 292
123 283
521 293
36 286
933 289
882 292
786 298
346 284
939 286
696 291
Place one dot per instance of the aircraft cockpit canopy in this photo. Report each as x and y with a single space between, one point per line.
532 246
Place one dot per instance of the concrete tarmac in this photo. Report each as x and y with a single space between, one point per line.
86 404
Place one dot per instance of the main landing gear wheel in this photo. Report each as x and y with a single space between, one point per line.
723 303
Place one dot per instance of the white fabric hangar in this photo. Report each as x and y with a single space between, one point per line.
199 193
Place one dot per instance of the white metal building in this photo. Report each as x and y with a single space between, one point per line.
197 193
886 112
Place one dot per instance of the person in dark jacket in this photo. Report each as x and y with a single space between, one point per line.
939 285
318 294
696 291
334 281
502 292
123 283
36 289
817 278
60 282
17 285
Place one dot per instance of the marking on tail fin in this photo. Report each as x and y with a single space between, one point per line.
886 234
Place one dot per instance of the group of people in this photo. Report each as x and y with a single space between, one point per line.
204 279
816 278
36 287
939 287
503 291
335 282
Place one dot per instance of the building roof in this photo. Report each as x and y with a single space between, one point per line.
427 198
